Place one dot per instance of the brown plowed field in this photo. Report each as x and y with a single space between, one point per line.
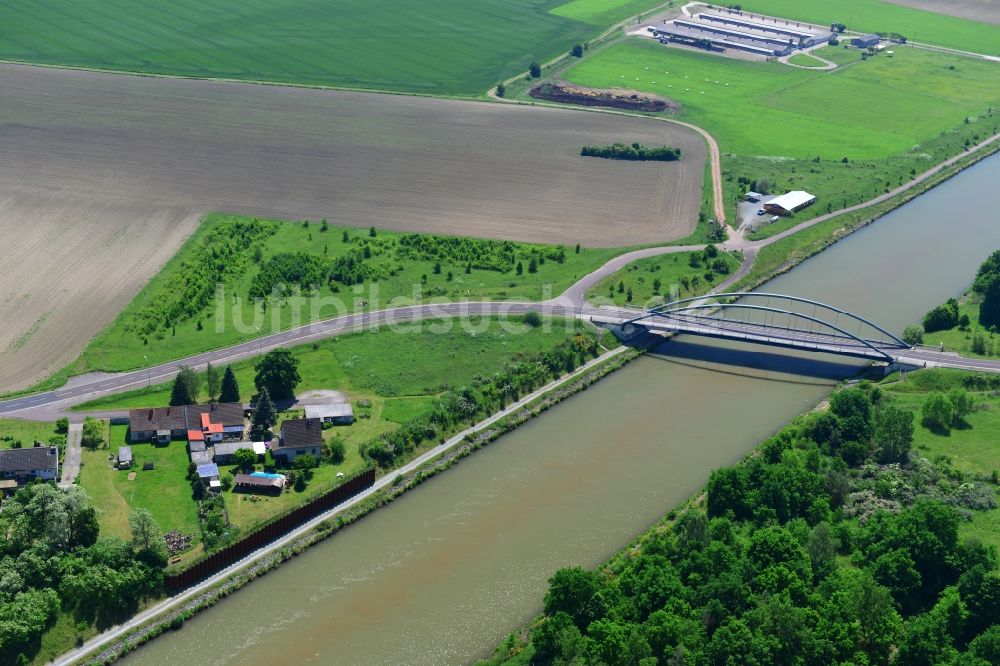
986 11
102 177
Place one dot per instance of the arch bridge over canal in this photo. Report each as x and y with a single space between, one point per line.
791 322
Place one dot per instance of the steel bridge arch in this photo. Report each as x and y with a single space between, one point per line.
668 307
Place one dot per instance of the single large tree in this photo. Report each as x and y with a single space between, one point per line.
147 537
230 387
278 372
185 389
212 381
937 410
893 434
264 414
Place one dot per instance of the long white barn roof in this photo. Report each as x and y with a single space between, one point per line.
792 200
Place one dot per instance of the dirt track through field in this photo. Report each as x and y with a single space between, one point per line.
985 11
104 175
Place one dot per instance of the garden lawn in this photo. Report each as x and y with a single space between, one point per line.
884 17
26 432
638 279
447 47
235 317
164 490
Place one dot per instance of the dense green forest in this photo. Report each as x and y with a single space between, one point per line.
836 542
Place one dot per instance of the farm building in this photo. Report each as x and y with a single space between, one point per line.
124 457
753 197
299 436
259 483
334 412
864 41
24 465
212 423
789 203
802 35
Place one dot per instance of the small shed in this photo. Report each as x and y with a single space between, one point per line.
124 457
753 197
332 412
864 41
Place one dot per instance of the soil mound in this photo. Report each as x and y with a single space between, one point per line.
614 99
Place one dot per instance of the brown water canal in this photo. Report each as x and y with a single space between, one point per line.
445 572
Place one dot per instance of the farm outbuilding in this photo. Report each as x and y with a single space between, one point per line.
124 457
333 412
789 203
864 41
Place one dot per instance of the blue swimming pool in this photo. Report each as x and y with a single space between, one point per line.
266 475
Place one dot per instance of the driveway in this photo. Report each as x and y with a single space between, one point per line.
71 463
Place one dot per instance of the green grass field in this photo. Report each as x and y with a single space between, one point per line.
673 271
805 60
930 107
401 282
955 339
448 47
26 432
972 449
769 109
883 17
422 360
602 12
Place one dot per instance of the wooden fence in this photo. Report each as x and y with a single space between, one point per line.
269 532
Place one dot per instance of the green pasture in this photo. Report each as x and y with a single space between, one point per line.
236 317
868 111
446 47
884 17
